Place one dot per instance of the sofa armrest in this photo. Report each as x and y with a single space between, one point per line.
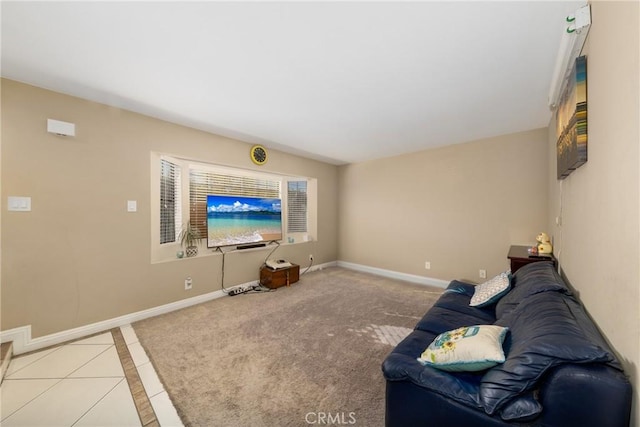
408 405
586 395
463 288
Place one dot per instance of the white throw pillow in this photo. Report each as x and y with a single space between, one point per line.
491 291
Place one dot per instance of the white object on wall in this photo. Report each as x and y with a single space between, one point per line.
574 35
61 128
19 204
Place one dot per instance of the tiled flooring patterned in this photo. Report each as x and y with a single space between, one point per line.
81 384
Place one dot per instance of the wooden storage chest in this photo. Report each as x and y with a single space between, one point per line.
282 277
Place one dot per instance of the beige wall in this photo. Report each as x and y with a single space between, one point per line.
598 241
79 257
459 207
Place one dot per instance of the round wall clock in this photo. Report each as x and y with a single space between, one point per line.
259 154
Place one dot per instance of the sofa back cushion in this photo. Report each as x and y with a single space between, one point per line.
543 333
530 280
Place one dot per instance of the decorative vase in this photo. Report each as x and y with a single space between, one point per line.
192 251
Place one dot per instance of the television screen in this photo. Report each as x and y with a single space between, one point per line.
238 220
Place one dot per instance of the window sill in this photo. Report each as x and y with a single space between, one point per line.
207 252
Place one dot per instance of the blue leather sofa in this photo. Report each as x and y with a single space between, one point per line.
559 370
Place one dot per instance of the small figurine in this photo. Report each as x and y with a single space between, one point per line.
544 244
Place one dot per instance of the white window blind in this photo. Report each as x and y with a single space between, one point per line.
297 206
203 181
170 201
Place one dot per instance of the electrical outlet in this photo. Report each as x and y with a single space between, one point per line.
483 274
427 265
311 257
188 284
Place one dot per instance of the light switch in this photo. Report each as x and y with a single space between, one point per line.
19 204
132 206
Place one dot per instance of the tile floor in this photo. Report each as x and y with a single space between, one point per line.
81 384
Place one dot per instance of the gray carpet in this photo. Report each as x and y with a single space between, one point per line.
287 357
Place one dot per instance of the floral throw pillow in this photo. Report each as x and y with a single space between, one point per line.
470 348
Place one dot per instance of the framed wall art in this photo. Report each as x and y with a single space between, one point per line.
571 121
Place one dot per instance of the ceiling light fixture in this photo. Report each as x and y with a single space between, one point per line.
573 38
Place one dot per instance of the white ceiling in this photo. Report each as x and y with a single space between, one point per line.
336 81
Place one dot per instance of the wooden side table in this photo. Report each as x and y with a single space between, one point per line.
519 257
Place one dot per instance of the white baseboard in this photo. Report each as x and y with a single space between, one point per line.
23 343
319 266
421 280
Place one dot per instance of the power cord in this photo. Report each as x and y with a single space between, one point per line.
309 267
253 288
261 288
271 253
219 249
257 287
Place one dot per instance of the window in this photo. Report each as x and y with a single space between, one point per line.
170 203
204 181
173 177
297 207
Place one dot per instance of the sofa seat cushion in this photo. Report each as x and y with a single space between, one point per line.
459 303
543 333
440 319
452 311
402 365
523 408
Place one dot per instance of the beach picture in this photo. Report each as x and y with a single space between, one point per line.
238 220
571 122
